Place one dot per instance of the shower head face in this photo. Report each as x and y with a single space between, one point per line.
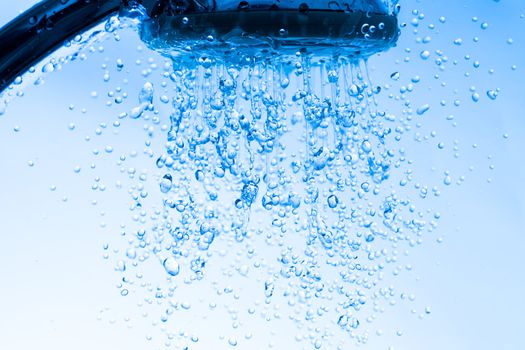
239 31
372 6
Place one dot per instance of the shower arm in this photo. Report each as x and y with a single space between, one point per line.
46 26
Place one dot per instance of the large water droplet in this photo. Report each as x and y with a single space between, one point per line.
171 266
166 183
332 201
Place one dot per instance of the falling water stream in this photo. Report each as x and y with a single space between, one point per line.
284 198
285 158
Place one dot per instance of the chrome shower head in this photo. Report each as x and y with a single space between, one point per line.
240 30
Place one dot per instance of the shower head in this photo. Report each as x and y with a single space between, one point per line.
225 29
232 30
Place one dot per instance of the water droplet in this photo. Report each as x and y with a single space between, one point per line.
199 175
492 94
171 266
249 192
166 183
423 109
366 146
48 67
146 93
395 76
424 54
332 201
269 288
121 265
131 253
112 24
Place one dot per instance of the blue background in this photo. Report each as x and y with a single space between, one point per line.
54 282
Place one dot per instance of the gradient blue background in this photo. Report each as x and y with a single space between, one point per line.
54 282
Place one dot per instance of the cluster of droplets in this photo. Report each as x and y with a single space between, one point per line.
291 153
287 159
287 171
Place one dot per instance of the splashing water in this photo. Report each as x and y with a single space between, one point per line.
284 159
283 201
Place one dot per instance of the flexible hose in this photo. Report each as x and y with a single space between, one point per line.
44 28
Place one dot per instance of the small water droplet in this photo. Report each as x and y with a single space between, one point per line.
366 146
249 192
121 266
492 94
423 109
48 67
332 201
166 183
146 93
